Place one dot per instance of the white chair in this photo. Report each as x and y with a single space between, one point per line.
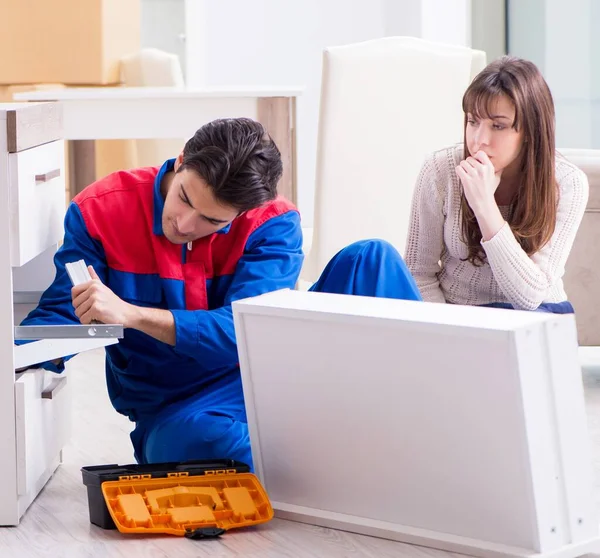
385 104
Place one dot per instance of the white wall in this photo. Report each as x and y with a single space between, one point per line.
444 21
447 21
280 43
488 27
403 17
568 69
564 42
595 71
163 26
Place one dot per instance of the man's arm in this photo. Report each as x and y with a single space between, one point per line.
55 306
157 323
272 260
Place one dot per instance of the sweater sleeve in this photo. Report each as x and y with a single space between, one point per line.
526 280
425 240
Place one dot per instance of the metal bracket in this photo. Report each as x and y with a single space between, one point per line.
101 331
26 297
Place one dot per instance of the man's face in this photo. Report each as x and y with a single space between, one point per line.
191 211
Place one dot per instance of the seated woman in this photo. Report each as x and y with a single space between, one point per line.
493 220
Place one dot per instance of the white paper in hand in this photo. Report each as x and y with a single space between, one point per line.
78 272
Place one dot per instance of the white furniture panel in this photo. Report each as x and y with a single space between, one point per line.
453 427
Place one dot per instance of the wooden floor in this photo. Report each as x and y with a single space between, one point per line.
58 525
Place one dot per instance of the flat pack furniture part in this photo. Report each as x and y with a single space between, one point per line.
459 428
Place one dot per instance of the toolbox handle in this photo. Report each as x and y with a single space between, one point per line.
204 533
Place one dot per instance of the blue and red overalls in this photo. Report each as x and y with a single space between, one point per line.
187 400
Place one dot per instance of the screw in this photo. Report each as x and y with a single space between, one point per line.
553 530
580 521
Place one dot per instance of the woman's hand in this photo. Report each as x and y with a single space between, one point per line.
480 181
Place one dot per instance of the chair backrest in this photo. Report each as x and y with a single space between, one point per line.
582 271
385 104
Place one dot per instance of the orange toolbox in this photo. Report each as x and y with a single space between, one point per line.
196 499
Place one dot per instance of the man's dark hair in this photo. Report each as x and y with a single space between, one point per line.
238 160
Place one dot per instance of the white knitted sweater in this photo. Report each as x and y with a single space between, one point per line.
435 252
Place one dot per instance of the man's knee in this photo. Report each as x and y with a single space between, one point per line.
370 248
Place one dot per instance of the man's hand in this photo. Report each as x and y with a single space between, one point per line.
479 181
94 301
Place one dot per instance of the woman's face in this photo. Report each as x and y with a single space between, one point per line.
495 135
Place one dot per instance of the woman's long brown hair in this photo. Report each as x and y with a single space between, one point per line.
532 216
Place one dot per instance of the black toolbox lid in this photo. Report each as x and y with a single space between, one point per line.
95 475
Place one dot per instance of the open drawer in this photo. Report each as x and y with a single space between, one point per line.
52 342
42 405
57 341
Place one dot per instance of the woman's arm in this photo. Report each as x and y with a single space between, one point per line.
526 280
426 233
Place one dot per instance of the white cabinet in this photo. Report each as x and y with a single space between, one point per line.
34 405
